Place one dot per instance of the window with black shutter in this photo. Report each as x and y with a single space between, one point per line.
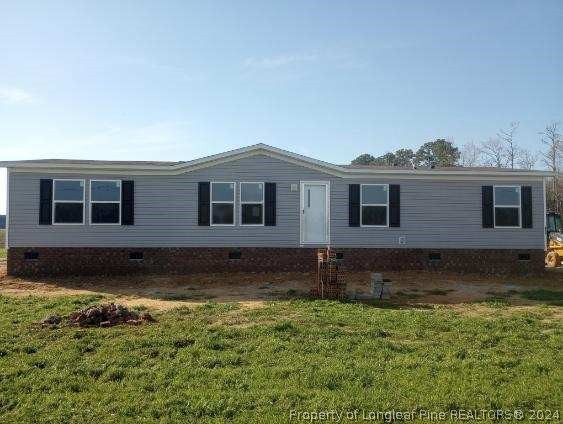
204 203
527 206
127 203
105 202
374 201
222 203
270 204
394 205
354 205
488 213
252 203
68 202
507 204
46 202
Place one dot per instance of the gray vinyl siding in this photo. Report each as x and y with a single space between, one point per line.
437 214
434 213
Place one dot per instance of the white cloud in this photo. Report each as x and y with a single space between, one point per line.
155 137
160 69
297 65
279 61
153 141
15 95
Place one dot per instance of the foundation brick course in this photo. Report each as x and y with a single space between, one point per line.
185 260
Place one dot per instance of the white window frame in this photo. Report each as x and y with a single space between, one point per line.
507 206
362 204
252 203
105 201
69 201
211 202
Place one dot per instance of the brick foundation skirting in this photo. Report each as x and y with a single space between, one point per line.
184 260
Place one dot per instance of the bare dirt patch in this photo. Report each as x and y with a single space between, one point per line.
253 290
165 292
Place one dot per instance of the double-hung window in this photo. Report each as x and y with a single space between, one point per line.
105 202
374 202
507 202
252 203
68 202
222 203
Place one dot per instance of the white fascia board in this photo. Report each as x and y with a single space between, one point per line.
20 166
355 176
7 235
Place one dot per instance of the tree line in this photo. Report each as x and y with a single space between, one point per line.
499 151
440 152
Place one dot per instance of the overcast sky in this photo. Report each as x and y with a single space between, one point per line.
175 80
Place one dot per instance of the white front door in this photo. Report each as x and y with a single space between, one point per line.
314 212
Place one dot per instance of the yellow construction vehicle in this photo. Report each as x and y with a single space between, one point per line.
554 240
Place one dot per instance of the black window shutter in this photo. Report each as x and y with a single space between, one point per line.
127 203
527 218
394 205
488 212
354 205
204 203
270 204
45 202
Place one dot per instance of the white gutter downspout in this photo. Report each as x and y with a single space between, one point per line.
544 217
7 208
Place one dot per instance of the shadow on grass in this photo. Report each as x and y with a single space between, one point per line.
388 304
550 297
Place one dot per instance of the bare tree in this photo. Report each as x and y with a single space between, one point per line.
553 144
553 194
510 147
526 159
470 154
551 157
493 151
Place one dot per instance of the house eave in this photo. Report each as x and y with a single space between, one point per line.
262 149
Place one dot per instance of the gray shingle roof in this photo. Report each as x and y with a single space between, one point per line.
437 168
100 162
184 166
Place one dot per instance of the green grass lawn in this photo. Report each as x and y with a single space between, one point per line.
218 362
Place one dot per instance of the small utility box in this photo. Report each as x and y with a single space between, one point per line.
380 288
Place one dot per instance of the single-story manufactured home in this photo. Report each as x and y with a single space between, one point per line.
261 208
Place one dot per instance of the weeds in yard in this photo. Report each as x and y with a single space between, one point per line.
299 354
502 295
184 296
495 302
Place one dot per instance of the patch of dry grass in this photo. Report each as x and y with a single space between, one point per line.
253 290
